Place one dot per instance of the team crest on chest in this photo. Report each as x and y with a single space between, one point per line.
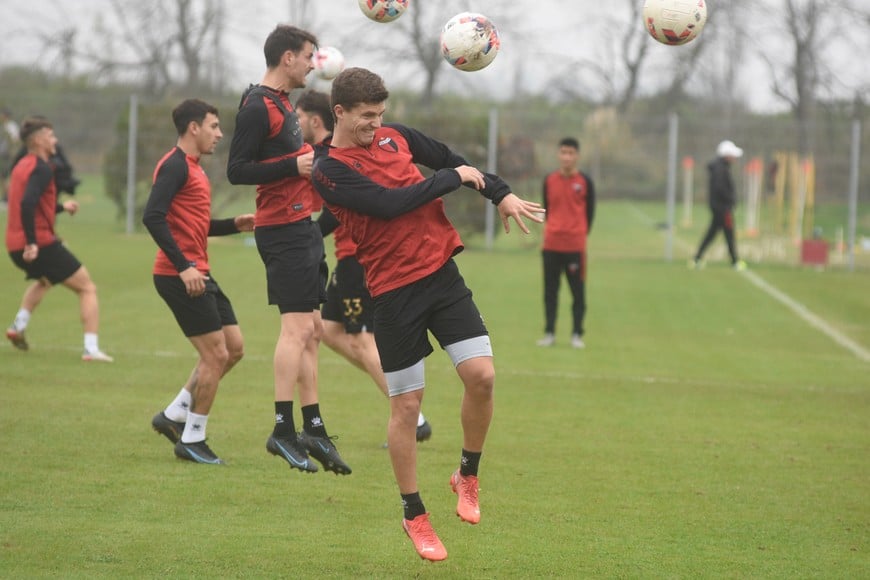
387 144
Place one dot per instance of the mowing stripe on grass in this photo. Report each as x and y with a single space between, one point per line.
802 311
805 313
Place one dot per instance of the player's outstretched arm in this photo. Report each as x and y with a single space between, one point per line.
514 207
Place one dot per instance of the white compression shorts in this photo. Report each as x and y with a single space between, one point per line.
413 378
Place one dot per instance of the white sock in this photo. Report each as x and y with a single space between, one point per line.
194 428
178 408
21 319
420 419
91 343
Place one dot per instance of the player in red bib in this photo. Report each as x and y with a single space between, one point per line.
178 217
569 197
348 314
33 245
268 151
369 179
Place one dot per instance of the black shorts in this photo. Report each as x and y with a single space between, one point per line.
209 312
295 263
440 303
347 298
53 262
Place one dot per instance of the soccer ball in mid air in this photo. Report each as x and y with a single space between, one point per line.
469 41
328 62
674 21
383 10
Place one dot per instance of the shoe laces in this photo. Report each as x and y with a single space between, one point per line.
468 488
424 532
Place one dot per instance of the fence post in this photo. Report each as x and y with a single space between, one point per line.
853 189
491 167
673 126
131 162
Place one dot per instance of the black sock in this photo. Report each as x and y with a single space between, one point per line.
470 463
284 426
413 505
311 421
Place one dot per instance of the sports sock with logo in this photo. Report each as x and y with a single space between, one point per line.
312 422
194 428
412 505
179 407
284 426
469 463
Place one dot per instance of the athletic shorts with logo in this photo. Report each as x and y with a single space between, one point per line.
347 298
199 315
295 261
440 303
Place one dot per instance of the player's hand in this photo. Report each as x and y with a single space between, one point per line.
71 207
470 176
194 282
514 207
244 222
304 163
31 251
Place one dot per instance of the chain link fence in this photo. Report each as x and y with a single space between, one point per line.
787 199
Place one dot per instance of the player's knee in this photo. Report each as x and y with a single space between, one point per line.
480 379
217 357
235 353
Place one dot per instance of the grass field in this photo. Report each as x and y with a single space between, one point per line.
707 430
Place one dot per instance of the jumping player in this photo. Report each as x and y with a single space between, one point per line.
369 179
178 217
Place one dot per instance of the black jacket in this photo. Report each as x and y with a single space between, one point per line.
721 188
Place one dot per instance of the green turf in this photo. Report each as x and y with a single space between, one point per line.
705 431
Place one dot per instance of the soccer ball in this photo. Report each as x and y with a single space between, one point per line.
469 41
328 62
383 10
674 21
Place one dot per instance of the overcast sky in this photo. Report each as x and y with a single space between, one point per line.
538 36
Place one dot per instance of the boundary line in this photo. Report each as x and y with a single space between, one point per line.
796 307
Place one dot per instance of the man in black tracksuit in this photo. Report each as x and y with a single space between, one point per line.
722 201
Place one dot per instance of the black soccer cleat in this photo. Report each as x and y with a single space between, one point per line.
323 450
424 431
292 451
170 429
197 452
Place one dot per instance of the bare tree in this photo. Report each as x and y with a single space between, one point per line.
811 27
162 43
616 68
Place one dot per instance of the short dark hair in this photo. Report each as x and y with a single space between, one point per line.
31 125
357 85
570 142
191 110
317 103
282 39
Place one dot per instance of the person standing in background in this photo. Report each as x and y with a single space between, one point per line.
722 199
569 198
9 142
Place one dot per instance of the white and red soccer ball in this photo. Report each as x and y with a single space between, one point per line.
383 10
328 62
469 41
674 22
